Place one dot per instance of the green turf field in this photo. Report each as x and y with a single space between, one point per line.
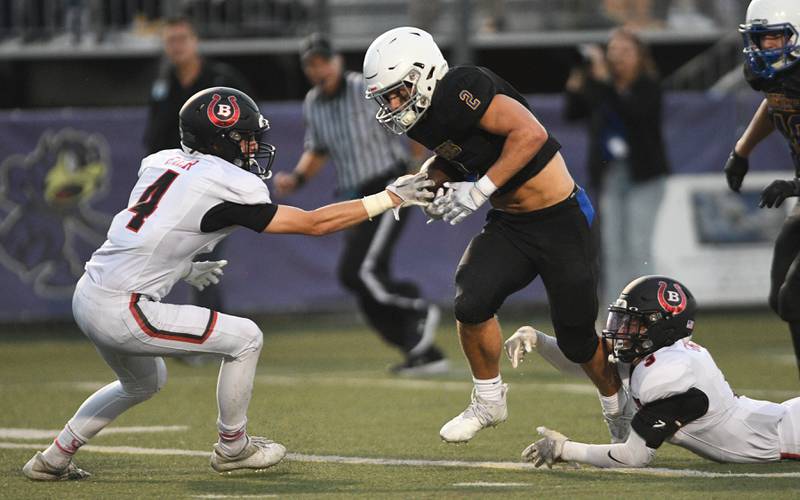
322 390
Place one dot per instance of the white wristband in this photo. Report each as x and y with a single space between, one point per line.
376 204
486 186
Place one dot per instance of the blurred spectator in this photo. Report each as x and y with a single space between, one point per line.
340 125
183 73
618 92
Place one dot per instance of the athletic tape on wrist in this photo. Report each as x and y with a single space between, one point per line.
486 186
376 204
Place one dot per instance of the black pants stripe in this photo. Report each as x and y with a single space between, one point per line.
393 308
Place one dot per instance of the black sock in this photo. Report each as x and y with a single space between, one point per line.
794 328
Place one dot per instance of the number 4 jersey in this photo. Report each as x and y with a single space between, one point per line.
182 205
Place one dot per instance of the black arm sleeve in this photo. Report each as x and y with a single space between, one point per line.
657 421
226 214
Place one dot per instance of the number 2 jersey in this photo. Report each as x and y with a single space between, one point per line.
450 128
683 398
182 205
783 103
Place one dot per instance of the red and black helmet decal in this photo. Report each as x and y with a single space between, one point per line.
671 301
223 115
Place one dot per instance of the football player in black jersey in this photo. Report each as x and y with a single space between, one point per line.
771 66
541 224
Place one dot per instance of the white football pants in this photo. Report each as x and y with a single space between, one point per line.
131 333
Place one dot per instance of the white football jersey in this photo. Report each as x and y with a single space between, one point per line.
151 242
734 429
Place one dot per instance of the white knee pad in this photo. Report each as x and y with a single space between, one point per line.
254 336
145 387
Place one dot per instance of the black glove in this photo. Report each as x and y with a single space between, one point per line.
774 194
735 169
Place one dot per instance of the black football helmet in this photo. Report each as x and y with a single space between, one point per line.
215 120
651 312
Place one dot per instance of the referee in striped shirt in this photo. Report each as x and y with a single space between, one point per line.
340 126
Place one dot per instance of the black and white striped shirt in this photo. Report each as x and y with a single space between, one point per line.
344 127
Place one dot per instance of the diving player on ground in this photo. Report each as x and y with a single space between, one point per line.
681 395
542 223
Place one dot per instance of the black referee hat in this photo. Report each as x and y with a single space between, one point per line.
316 44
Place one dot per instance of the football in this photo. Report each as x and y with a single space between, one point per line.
440 171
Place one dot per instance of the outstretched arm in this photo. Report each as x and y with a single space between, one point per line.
527 338
632 453
653 424
555 447
323 220
407 190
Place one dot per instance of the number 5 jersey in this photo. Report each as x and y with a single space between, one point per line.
725 427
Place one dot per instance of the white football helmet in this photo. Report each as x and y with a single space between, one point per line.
771 18
403 58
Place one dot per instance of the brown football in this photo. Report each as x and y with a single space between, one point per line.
440 171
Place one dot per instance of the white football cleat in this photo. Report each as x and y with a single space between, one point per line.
38 470
259 453
478 415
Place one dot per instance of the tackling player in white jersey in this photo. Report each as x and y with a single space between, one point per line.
680 394
185 202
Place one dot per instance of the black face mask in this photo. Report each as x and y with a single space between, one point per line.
258 162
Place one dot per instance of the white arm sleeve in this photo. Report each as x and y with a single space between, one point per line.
632 453
547 347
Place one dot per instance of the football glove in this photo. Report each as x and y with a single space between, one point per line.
432 210
203 274
735 169
466 197
547 450
522 342
774 194
412 189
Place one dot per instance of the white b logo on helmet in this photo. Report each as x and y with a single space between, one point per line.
223 110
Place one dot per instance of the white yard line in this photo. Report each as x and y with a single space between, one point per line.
483 484
456 386
336 459
14 433
213 495
429 385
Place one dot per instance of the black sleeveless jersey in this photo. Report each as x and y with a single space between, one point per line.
450 128
783 103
